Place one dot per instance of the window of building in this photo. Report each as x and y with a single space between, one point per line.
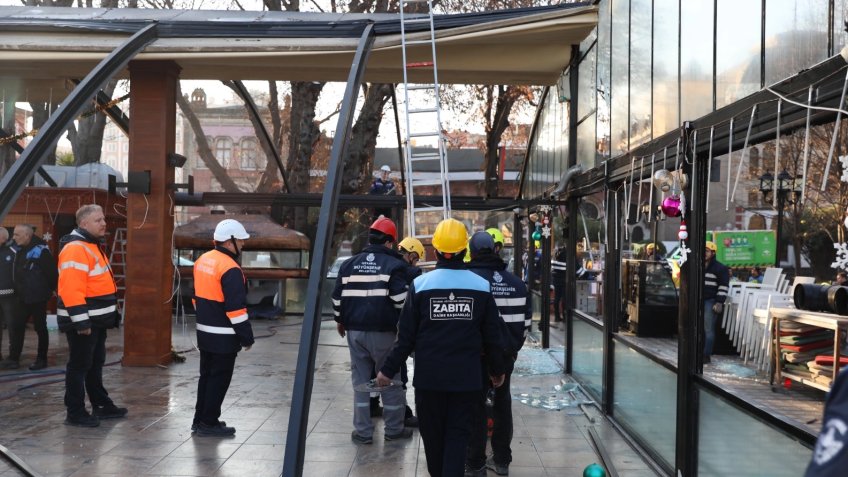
249 153
224 151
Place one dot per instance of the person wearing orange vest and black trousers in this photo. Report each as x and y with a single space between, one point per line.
220 301
87 307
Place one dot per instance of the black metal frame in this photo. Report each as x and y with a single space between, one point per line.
304 378
19 149
13 183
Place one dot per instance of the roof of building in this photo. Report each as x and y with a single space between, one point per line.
40 48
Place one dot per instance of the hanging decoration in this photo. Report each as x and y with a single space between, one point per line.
671 206
745 153
841 261
835 134
651 192
729 163
709 171
546 220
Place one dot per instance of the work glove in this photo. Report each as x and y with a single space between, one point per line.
718 308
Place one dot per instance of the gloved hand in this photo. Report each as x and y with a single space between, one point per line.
718 308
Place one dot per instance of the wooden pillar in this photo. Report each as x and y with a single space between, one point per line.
147 319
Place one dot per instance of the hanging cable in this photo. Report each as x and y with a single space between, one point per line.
709 171
744 153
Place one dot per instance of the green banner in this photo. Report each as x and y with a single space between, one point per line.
745 248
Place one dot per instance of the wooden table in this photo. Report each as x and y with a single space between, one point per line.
829 321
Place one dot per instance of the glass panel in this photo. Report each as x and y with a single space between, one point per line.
588 356
646 400
738 50
271 259
796 36
586 85
586 143
696 59
619 73
603 81
724 430
666 87
641 123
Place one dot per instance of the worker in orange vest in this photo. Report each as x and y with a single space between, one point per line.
220 301
87 307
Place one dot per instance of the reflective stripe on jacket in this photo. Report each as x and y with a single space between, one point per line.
220 300
87 292
370 290
510 295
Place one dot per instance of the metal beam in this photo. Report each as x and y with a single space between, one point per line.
13 183
114 112
304 377
17 147
352 200
263 131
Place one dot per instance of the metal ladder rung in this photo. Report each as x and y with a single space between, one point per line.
419 42
425 157
426 182
425 134
422 110
420 87
419 210
416 20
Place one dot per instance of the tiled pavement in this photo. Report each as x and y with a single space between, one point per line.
155 438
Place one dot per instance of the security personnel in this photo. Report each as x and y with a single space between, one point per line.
515 309
412 250
9 305
220 301
716 283
448 320
369 294
87 307
830 457
35 280
558 279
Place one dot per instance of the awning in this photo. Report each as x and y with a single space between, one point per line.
42 48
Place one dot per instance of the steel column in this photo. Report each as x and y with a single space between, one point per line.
13 183
689 346
304 378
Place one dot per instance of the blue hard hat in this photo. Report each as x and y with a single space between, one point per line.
481 241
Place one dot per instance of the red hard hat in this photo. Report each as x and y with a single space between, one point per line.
386 226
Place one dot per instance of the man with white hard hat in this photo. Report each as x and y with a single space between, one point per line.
220 300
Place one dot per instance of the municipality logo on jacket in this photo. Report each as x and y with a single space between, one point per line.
451 307
497 277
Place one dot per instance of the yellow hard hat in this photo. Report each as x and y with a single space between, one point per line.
496 234
412 244
712 246
451 236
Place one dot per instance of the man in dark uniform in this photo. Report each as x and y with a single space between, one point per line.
449 319
558 279
515 309
830 457
716 282
9 306
383 186
223 329
36 277
369 294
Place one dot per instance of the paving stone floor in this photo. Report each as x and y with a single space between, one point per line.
155 438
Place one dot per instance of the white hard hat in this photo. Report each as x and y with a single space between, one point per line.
386 168
229 228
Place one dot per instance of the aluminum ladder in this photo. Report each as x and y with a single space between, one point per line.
118 264
423 121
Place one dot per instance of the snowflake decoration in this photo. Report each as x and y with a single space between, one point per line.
546 231
47 236
684 253
841 256
844 161
545 209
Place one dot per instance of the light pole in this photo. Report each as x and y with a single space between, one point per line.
783 186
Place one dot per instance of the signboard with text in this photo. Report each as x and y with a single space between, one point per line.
745 248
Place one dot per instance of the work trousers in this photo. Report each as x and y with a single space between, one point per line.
368 351
444 422
709 326
216 372
84 373
38 312
559 298
501 431
10 309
